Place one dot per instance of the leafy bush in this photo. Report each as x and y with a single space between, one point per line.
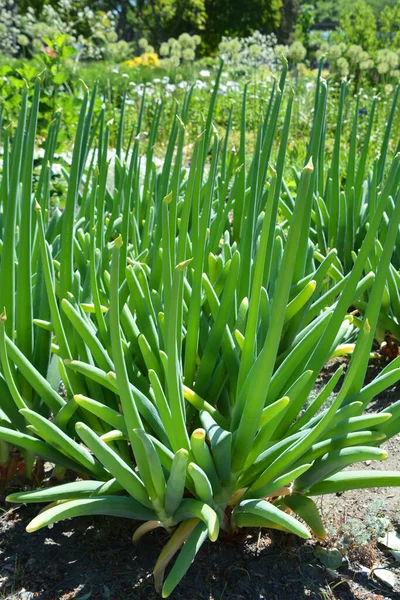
359 25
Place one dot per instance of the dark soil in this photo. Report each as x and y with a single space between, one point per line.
95 558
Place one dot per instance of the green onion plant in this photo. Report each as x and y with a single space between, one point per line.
346 196
188 325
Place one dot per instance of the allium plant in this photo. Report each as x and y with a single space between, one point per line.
249 53
347 195
180 50
28 31
8 29
25 302
180 311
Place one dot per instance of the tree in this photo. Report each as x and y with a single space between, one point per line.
379 5
163 19
125 12
238 18
359 25
389 32
306 20
157 20
330 10
289 15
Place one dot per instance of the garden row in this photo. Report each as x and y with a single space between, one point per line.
164 327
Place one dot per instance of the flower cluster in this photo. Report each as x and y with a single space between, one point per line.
359 58
147 59
182 49
387 61
145 47
354 60
9 31
248 53
90 32
296 52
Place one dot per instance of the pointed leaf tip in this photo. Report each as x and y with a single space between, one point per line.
118 242
168 198
309 166
272 169
84 85
182 265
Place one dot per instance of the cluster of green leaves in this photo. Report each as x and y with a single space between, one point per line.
188 326
345 208
21 264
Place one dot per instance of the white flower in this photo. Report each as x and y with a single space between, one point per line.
125 75
205 73
183 85
233 85
170 87
165 79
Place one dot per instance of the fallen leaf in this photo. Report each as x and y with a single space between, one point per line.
329 557
391 540
386 576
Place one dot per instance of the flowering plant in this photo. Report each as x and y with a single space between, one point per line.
249 53
147 59
90 32
180 50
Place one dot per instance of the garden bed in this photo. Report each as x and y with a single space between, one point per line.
95 558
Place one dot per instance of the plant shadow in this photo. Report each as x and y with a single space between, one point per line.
95 558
